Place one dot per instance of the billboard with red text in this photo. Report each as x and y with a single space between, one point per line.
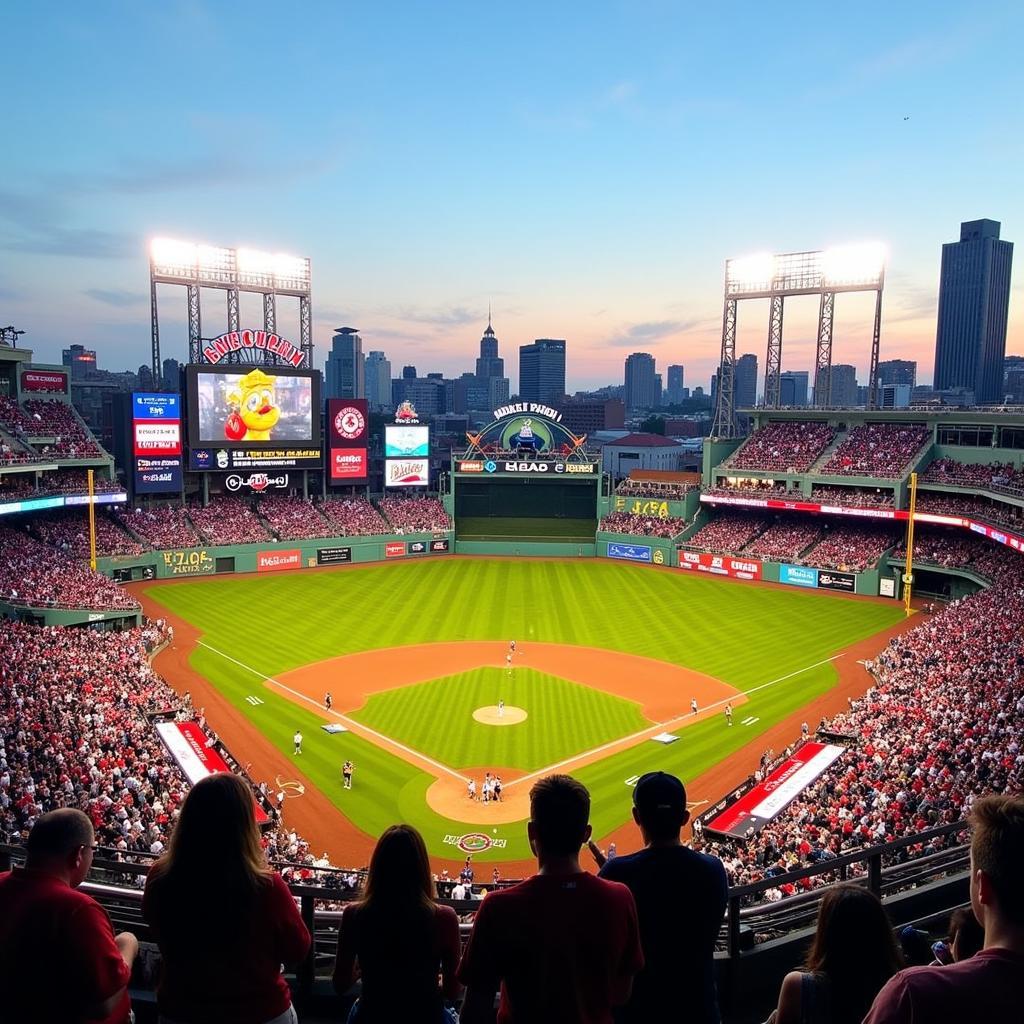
348 440
721 565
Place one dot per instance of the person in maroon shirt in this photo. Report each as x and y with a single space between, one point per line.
563 945
401 938
990 985
224 921
60 962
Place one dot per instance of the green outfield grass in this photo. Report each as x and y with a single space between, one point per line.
564 718
744 634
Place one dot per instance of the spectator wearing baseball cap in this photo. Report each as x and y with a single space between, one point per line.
680 897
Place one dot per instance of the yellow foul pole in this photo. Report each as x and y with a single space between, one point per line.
92 522
908 571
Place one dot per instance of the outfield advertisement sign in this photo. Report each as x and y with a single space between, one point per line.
798 575
831 580
277 561
406 472
193 562
721 565
333 556
631 552
394 549
769 798
439 545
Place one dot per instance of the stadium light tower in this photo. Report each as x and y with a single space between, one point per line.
849 268
196 266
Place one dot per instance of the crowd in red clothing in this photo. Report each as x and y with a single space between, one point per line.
942 725
785 539
853 497
666 489
228 520
784 447
68 531
415 515
56 419
642 526
852 547
294 518
877 449
16 453
973 474
728 532
354 517
160 526
754 488
952 547
34 574
968 506
13 418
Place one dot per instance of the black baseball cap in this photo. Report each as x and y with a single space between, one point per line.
659 793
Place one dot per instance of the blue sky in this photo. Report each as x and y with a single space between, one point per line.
586 168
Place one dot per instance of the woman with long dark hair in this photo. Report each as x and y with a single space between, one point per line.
224 921
854 953
398 939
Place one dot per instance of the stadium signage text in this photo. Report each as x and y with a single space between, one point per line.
332 556
845 581
234 341
256 481
189 563
276 561
475 842
721 565
798 575
394 549
631 552
43 380
640 507
518 408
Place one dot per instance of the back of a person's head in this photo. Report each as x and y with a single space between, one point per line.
560 812
56 835
399 873
659 800
855 947
215 845
997 848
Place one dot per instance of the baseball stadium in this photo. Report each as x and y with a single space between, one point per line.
818 632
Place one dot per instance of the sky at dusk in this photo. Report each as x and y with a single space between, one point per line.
585 168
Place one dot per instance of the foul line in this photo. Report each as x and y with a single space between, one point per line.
354 726
669 723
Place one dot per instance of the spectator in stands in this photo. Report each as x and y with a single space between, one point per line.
671 884
966 937
59 958
223 919
563 945
854 953
400 937
990 985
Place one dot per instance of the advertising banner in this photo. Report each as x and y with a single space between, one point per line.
439 545
406 442
348 438
533 467
156 442
158 476
417 547
886 587
394 549
275 561
190 747
798 575
257 482
333 556
44 380
192 562
766 800
721 565
832 580
406 472
226 460
631 552
217 348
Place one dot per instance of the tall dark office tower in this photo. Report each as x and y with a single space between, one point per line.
641 382
674 385
490 369
408 373
745 395
974 298
793 387
81 360
898 371
542 370
844 386
345 373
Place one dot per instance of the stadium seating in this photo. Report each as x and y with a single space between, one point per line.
69 532
729 532
228 520
52 418
642 526
415 515
785 539
160 526
882 450
354 517
13 418
852 497
753 488
663 489
852 547
973 474
784 447
294 518
35 574
967 506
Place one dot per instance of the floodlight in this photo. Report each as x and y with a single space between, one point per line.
853 264
290 268
214 259
252 261
751 272
166 252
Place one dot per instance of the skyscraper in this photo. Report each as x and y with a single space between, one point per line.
378 380
1013 378
490 368
171 375
745 394
640 382
345 375
974 298
542 370
674 387
793 387
80 360
844 386
898 371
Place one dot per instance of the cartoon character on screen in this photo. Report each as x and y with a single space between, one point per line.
254 412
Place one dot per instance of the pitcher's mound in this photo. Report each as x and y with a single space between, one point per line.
509 715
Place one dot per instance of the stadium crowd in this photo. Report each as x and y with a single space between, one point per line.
968 506
783 447
877 450
785 539
642 526
354 517
728 532
160 526
665 489
75 481
34 574
15 453
415 515
69 532
228 520
294 518
973 474
853 497
56 419
852 547
754 488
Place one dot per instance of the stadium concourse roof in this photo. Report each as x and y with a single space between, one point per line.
644 441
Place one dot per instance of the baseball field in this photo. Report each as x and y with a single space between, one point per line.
607 662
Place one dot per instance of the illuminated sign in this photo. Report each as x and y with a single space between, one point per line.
256 341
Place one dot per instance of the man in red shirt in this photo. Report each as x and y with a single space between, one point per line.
60 962
564 946
990 985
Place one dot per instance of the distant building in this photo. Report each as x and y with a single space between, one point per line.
345 373
171 374
490 370
588 415
81 361
641 382
427 394
640 451
408 373
745 382
974 299
674 385
843 392
793 386
1013 378
898 371
542 371
894 396
377 372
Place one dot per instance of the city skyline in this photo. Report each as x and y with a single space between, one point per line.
606 214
